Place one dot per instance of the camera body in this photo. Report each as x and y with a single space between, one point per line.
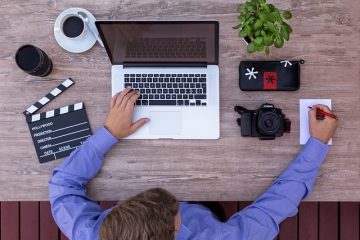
266 123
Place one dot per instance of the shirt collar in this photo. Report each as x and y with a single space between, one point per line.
183 233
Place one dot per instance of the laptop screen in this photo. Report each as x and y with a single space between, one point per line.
160 41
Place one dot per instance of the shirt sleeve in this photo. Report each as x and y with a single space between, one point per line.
261 219
74 212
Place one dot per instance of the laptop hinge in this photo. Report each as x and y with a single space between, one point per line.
137 64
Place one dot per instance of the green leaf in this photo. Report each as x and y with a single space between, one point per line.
263 33
251 8
271 26
279 42
268 40
271 7
250 21
284 33
241 18
287 27
237 26
243 33
287 15
258 24
246 16
277 14
267 50
240 7
260 48
267 8
251 47
262 16
248 29
258 40
270 17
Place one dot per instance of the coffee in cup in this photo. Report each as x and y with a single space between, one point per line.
72 26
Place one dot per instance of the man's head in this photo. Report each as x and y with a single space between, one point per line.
150 215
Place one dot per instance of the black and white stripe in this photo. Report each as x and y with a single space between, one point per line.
55 112
50 96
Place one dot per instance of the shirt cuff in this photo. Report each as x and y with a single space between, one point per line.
103 140
315 151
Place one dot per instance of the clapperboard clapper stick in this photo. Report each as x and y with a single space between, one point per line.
56 133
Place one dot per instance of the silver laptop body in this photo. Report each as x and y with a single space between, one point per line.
174 65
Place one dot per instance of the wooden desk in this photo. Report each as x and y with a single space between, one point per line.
326 34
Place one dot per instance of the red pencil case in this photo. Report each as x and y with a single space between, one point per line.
281 75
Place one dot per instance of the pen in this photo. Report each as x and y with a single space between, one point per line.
320 114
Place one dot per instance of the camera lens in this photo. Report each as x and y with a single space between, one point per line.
268 123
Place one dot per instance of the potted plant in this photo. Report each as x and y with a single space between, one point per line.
262 25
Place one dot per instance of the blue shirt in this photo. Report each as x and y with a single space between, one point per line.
79 217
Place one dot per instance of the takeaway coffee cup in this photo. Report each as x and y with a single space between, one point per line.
33 61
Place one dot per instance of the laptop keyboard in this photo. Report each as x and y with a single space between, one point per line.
169 89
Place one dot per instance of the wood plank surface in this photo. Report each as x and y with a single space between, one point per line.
229 207
308 221
328 221
349 221
324 220
9 221
48 227
29 220
289 229
326 35
63 237
107 204
243 204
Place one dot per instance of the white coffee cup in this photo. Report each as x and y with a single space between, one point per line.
72 26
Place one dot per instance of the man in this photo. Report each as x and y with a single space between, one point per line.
156 214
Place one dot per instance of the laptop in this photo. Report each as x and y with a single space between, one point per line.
174 66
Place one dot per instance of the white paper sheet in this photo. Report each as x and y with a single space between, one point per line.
304 117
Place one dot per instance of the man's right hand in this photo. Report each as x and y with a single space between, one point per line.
324 129
119 118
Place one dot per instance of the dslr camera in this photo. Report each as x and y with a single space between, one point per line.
266 123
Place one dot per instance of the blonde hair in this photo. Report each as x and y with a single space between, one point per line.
149 215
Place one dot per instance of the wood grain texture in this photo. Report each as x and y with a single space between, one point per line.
326 34
230 208
243 204
308 221
63 237
9 221
328 221
107 204
349 221
48 227
29 220
289 229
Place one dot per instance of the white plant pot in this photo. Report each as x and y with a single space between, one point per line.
246 41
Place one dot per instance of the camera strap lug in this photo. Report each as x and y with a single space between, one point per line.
241 110
287 125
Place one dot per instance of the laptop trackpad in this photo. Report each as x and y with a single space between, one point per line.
165 123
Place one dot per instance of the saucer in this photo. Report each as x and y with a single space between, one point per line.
78 45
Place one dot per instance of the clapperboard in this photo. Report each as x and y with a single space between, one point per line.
56 133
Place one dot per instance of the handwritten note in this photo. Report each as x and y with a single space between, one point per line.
304 117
